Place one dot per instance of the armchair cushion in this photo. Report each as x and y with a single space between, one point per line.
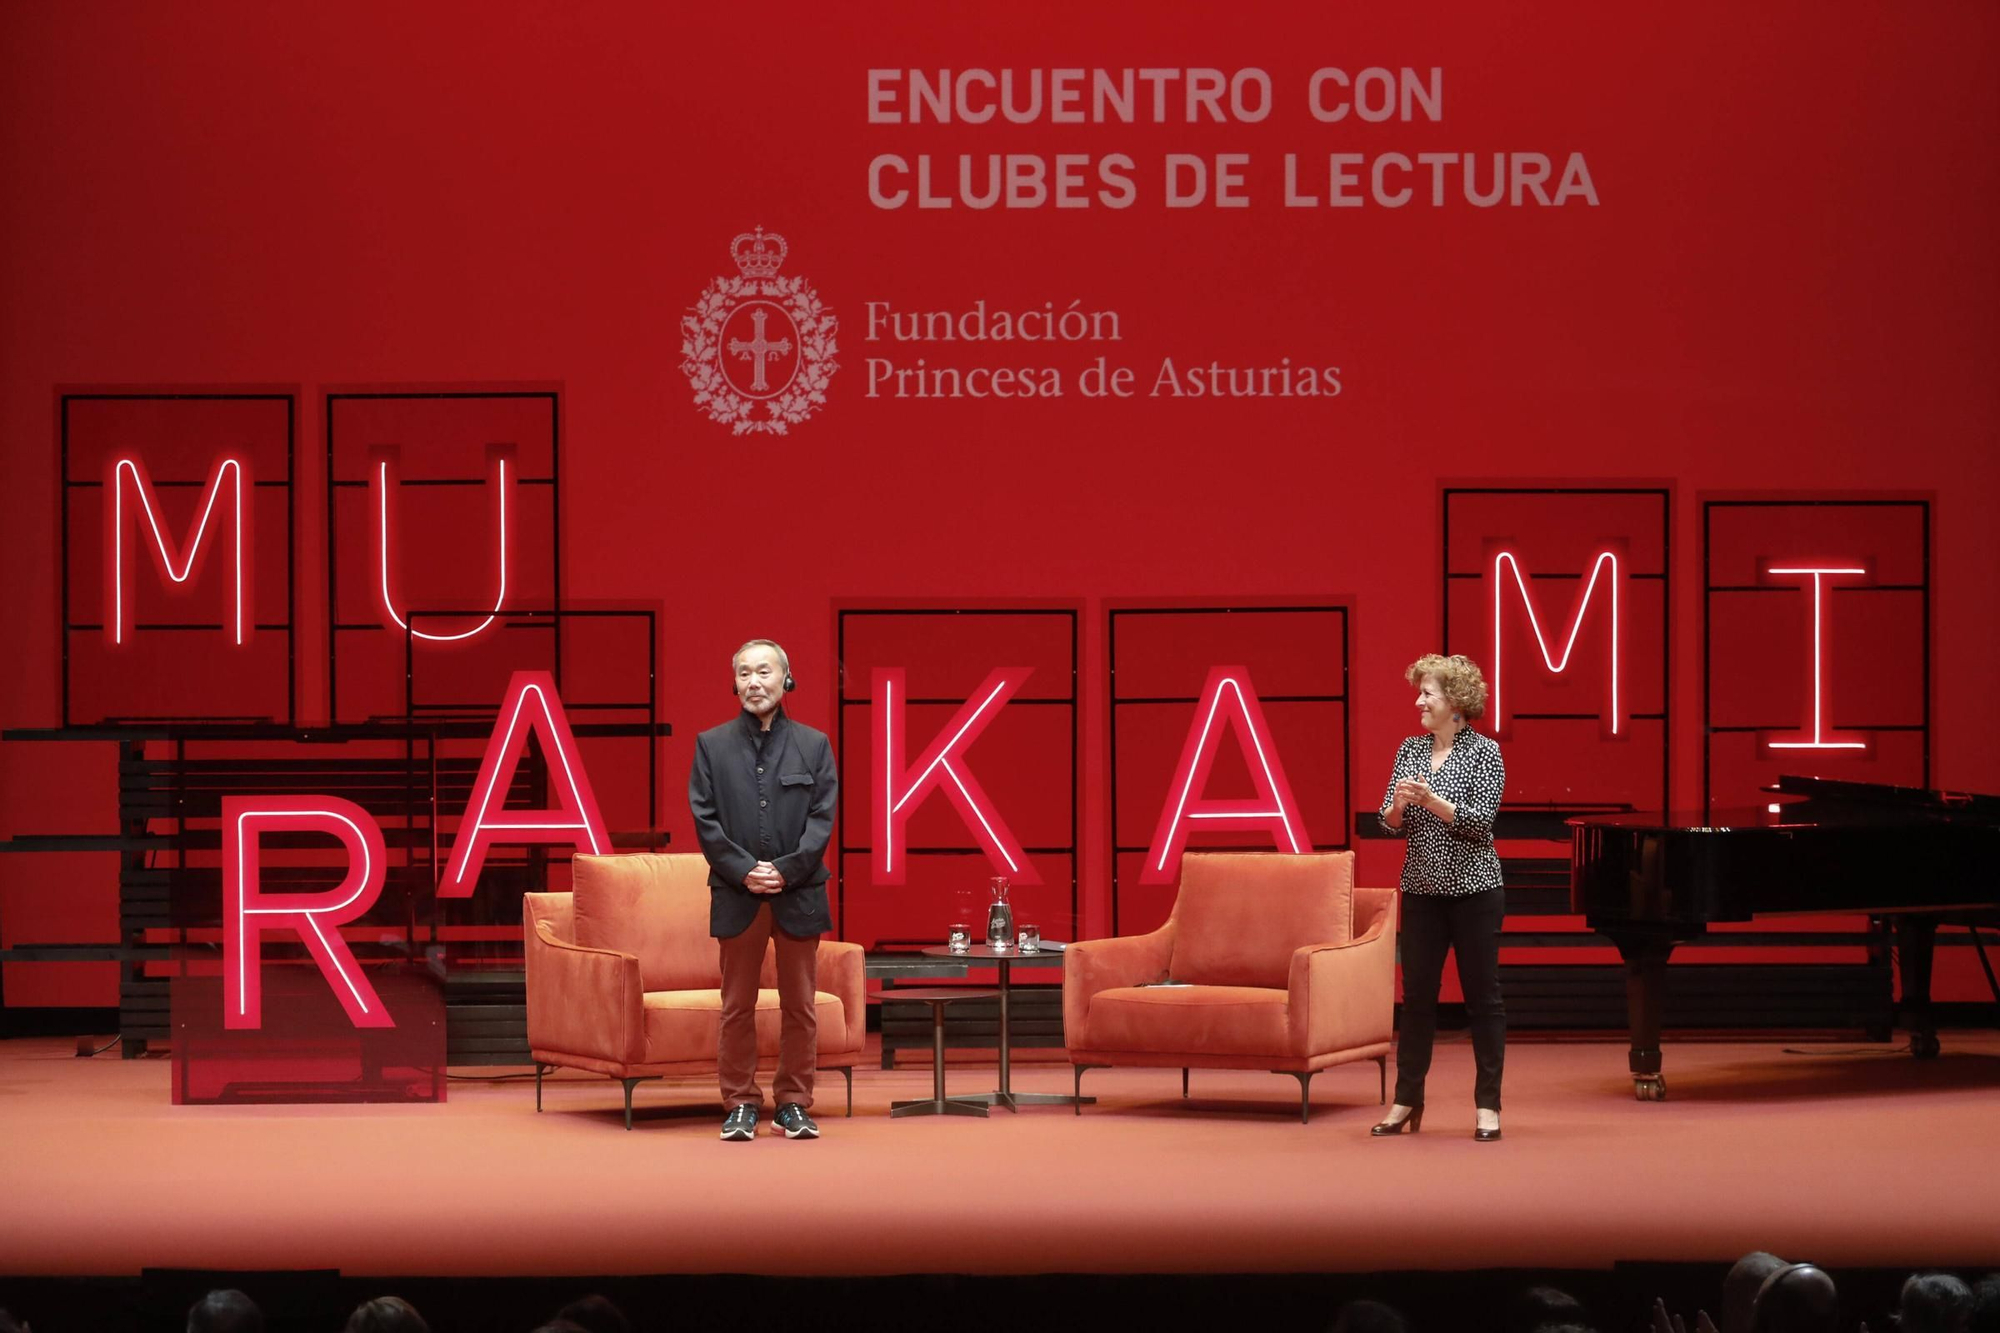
681 1024
1213 1020
654 908
1241 915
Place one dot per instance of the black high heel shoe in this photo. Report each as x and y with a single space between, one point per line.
1412 1122
1485 1135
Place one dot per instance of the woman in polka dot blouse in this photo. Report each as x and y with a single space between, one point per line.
1443 794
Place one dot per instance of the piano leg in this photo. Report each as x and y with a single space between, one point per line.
1916 937
1645 954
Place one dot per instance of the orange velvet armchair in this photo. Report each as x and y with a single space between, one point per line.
1279 963
624 978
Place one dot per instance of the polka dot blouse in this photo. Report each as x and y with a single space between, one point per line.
1456 858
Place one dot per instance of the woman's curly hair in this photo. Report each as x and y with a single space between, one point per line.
1457 677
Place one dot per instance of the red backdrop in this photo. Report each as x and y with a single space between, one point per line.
1788 282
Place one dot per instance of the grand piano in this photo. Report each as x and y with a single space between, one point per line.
1916 858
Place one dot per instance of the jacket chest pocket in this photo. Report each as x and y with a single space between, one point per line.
795 779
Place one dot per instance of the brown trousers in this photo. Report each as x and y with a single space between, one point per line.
798 1039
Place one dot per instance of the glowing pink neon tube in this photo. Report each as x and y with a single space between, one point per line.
118 622
531 707
1604 560
381 487
248 912
942 765
1272 808
1818 742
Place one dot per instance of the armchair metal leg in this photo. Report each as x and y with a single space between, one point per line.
1077 1099
1305 1092
540 1069
630 1083
1382 1072
849 1072
1184 1082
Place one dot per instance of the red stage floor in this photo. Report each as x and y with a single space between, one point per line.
1846 1159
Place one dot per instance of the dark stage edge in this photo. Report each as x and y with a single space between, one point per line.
313 1302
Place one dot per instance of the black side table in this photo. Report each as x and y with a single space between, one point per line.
937 997
1003 959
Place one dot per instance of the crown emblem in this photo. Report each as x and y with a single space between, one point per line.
757 254
759 350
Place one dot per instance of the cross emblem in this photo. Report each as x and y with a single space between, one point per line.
758 350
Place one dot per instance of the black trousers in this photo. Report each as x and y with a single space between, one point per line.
1468 927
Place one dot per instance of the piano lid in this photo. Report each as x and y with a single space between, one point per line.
1690 821
1831 792
1814 802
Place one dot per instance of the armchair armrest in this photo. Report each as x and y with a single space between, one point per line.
1090 966
1343 995
841 973
583 1001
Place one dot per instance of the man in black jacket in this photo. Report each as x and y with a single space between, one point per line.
762 792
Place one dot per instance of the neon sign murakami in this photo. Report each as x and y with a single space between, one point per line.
1228 703
119 623
941 765
1605 561
1819 574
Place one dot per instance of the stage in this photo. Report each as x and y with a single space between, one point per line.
1849 1159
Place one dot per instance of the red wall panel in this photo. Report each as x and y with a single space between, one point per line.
1787 282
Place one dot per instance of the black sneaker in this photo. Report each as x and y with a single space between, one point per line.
795 1123
740 1126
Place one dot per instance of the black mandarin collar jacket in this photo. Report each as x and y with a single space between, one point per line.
770 802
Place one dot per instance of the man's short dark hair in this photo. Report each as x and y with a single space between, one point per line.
1798 1298
1542 1307
1369 1317
1933 1303
1985 1316
594 1314
225 1311
386 1314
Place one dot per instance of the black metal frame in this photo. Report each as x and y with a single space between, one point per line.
1709 588
1073 702
415 710
478 1000
1343 607
65 625
1664 576
334 484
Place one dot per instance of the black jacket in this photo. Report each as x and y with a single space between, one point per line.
771 805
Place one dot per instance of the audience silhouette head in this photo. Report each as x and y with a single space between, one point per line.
1739 1289
593 1314
1934 1303
386 1314
1798 1298
1368 1317
225 1311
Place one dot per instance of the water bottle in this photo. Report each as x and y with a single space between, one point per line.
1000 916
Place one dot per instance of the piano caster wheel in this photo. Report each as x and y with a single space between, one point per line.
1924 1045
1650 1089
